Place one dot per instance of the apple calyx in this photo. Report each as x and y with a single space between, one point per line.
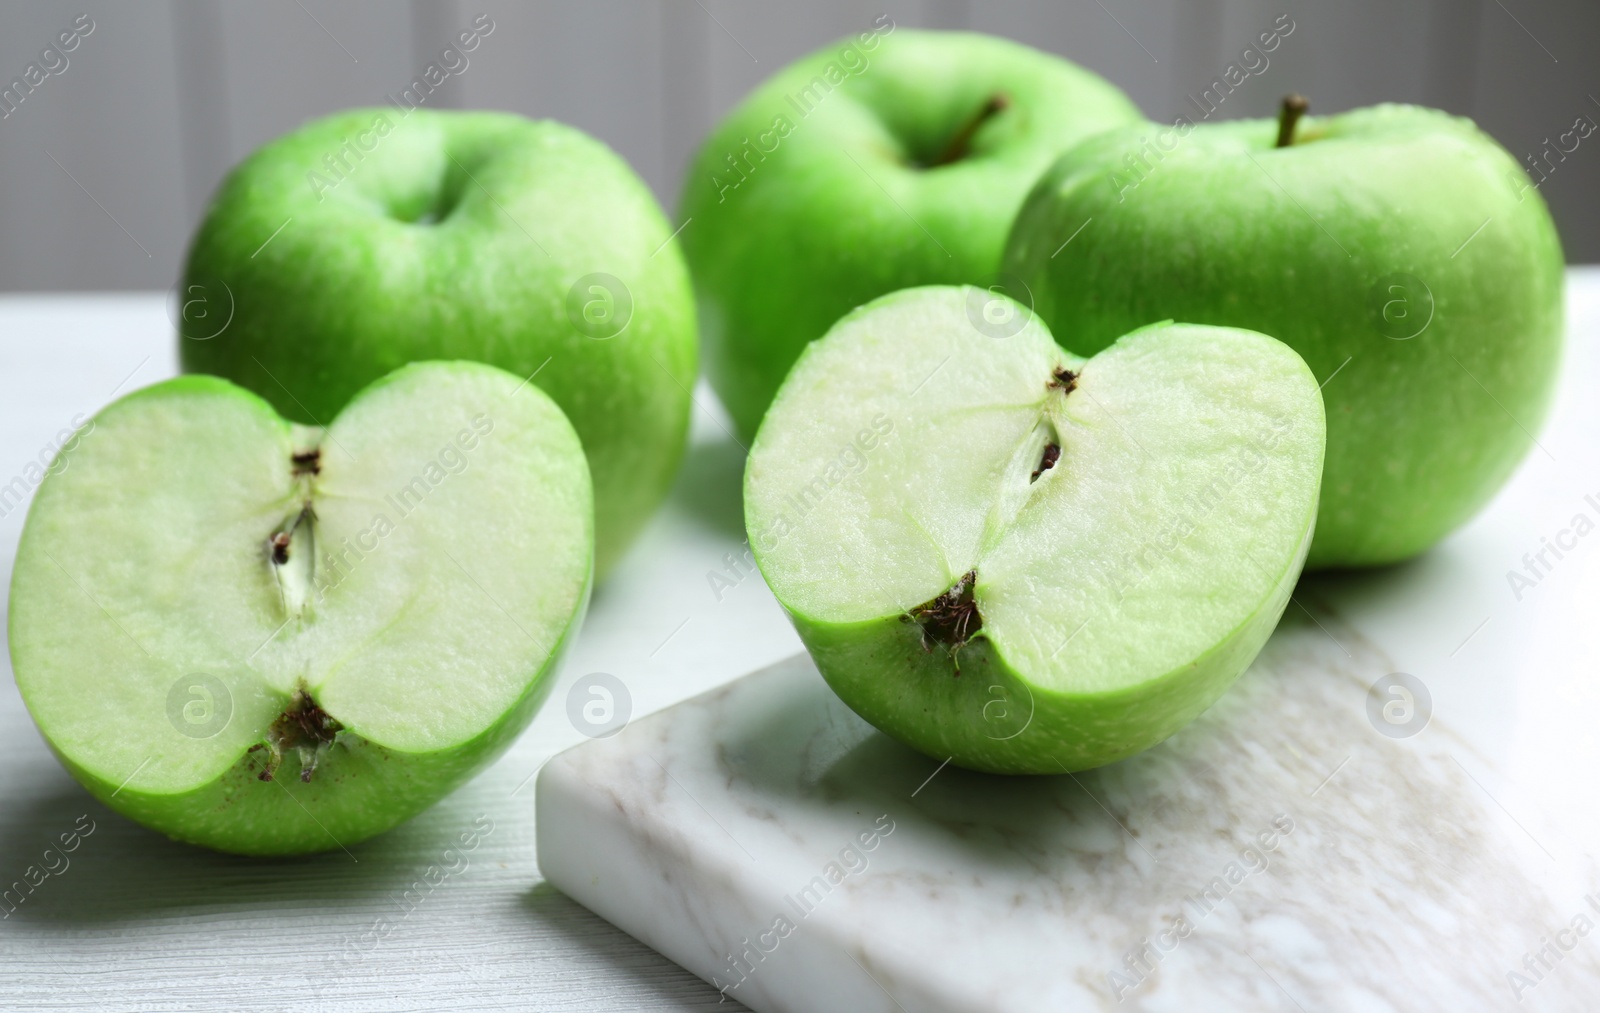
304 727
958 146
1294 106
952 618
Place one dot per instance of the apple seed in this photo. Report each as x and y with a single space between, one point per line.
1052 454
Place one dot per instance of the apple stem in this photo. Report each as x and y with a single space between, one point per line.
1294 107
956 150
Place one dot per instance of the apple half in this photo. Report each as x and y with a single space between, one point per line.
1019 560
271 639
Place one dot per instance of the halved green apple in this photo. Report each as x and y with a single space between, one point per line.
270 639
1020 560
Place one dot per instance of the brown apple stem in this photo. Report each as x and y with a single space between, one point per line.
1294 107
956 150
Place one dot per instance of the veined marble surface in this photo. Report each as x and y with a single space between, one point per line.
1316 841
1279 851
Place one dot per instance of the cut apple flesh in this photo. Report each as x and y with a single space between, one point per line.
207 598
1005 554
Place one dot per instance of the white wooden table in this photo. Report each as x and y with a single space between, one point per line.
136 922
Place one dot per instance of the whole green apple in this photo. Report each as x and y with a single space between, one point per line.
892 159
268 638
378 237
1399 250
1022 561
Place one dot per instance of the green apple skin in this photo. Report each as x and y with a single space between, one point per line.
882 671
381 788
1150 633
99 633
804 208
1304 243
457 236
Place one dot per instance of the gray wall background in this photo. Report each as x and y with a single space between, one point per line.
107 166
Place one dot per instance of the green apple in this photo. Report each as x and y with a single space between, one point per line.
877 163
1023 561
268 638
377 237
1399 250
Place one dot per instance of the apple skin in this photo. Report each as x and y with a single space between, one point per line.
354 287
378 789
836 212
1423 428
363 787
883 672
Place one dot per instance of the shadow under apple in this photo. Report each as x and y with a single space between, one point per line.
811 758
710 487
120 871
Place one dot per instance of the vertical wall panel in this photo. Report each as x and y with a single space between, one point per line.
1355 53
250 72
750 42
735 46
436 24
205 118
91 161
947 15
685 95
287 64
1454 29
1130 42
163 97
1526 96
594 65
